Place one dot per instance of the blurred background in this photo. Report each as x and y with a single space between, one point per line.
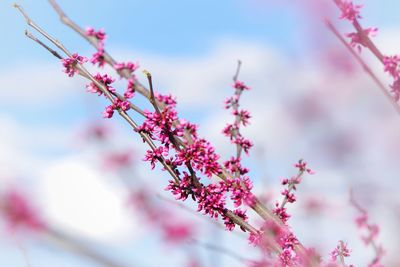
309 99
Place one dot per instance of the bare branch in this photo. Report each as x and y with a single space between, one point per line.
32 37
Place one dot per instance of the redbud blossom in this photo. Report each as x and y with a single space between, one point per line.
350 11
71 62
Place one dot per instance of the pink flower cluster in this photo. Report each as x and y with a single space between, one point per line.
130 89
349 10
372 232
100 35
131 67
341 252
275 237
287 193
211 198
118 104
241 117
391 65
105 79
357 40
69 64
19 213
361 38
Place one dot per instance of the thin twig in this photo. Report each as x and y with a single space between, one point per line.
52 51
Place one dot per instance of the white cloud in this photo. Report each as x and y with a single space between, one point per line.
78 198
36 83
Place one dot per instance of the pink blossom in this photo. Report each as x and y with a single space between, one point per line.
98 58
154 155
244 143
391 65
130 66
130 89
350 11
255 238
108 112
302 166
241 191
105 79
281 212
19 213
189 128
168 100
231 101
202 156
357 40
340 251
71 62
122 104
99 35
230 130
243 116
182 190
286 257
211 199
230 225
396 89
234 166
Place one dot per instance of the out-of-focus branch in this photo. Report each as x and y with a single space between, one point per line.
364 65
75 246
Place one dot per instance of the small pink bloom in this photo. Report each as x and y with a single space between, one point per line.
108 112
105 79
98 58
302 166
240 86
130 66
350 11
130 89
357 40
391 64
99 35
70 64
340 251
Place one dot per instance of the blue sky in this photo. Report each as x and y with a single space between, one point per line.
196 38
